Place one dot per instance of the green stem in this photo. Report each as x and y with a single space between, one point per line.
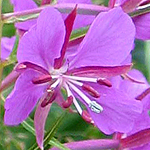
141 11
147 58
1 25
85 9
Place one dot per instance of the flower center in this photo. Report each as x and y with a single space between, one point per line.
75 86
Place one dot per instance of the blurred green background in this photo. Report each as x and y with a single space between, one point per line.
72 127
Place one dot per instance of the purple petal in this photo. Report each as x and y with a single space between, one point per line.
136 140
20 5
143 147
108 41
128 60
131 88
43 43
39 122
142 24
142 122
97 144
23 98
79 19
7 46
119 112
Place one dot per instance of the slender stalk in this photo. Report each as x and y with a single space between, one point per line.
85 9
1 25
147 58
140 11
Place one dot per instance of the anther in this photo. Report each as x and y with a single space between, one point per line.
86 116
49 98
128 77
143 94
42 79
90 90
95 107
68 102
104 81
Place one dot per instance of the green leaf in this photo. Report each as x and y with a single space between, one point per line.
52 131
29 125
57 144
14 19
78 33
147 59
13 54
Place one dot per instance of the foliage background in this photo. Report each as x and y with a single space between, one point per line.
72 126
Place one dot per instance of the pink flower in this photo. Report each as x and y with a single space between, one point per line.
47 70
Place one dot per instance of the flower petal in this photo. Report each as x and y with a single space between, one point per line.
119 112
7 46
108 41
79 23
142 24
42 44
131 88
24 5
39 122
22 99
96 144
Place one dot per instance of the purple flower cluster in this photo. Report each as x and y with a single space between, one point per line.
89 71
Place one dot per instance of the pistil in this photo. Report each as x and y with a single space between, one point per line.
95 107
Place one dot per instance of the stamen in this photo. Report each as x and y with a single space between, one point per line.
82 95
49 98
86 116
79 109
87 88
95 107
81 78
76 82
68 102
128 77
90 90
42 79
143 94
103 81
55 76
55 84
